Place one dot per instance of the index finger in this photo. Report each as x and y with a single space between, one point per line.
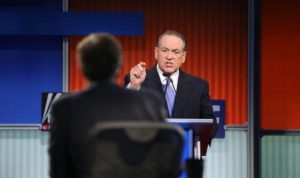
143 64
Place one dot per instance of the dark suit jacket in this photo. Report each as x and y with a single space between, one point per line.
74 116
192 97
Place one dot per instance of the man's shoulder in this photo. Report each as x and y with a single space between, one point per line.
141 94
194 79
64 100
149 93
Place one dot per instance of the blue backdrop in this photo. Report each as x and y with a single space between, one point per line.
31 50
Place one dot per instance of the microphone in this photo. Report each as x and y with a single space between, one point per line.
166 74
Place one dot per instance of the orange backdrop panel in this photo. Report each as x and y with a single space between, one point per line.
280 65
216 32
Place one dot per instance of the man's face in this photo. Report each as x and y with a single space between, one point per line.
170 53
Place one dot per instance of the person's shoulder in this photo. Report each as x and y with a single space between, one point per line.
149 93
60 109
144 93
154 104
64 100
194 79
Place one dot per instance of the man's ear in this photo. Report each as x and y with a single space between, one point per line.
183 56
156 52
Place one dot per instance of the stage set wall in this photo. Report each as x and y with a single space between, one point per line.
280 86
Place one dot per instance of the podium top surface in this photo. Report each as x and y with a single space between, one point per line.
190 122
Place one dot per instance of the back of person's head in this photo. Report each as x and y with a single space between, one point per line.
100 56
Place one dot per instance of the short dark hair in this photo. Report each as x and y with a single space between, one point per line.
100 55
173 33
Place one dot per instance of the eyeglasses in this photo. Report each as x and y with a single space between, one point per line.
174 52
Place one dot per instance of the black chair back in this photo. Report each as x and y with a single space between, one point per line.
137 150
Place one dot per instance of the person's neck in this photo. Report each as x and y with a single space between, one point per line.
103 81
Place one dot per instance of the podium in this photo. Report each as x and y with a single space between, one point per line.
200 133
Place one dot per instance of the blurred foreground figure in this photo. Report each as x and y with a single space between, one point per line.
73 116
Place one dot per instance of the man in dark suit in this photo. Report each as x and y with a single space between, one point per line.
71 153
192 98
189 96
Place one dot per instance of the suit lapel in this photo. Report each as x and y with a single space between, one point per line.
153 81
184 88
